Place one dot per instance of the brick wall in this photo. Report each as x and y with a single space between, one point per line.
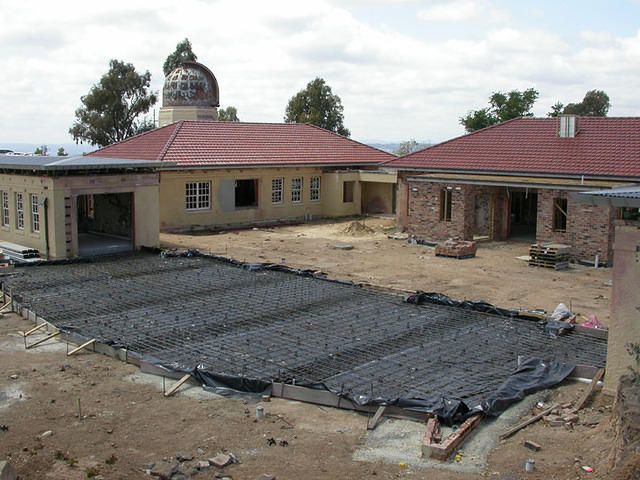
470 211
589 228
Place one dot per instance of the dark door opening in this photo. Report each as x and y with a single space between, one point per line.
523 215
246 193
105 223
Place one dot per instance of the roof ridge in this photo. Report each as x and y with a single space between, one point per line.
350 139
464 135
177 125
142 134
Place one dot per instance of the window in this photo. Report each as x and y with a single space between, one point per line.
628 213
276 190
445 205
35 214
246 193
19 211
5 209
198 195
314 189
347 192
296 190
560 214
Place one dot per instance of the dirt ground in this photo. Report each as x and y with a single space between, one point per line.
106 424
494 275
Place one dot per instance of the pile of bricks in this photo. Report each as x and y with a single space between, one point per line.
456 248
563 416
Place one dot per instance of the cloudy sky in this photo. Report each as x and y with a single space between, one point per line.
403 68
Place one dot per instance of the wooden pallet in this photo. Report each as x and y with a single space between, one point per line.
550 255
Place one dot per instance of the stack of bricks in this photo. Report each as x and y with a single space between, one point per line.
456 248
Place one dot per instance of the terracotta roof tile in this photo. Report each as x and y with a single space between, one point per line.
234 144
602 147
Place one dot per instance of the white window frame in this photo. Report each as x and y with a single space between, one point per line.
5 209
35 214
296 190
314 189
197 196
277 187
19 211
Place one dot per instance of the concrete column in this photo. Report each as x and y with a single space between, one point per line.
625 305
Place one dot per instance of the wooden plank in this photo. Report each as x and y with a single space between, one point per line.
5 306
177 385
34 329
594 382
376 418
84 345
42 340
533 419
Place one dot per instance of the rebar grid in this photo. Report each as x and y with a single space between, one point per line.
277 326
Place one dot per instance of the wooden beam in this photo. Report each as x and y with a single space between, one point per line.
177 385
533 419
8 304
34 329
42 340
594 382
84 345
376 418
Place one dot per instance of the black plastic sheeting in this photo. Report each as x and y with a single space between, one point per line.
532 375
420 298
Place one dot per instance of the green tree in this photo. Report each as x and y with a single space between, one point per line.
317 105
556 109
62 153
41 150
502 107
229 114
407 147
111 109
594 104
181 54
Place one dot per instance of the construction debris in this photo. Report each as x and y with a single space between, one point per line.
456 248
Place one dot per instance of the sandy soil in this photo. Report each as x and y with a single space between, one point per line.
131 423
494 275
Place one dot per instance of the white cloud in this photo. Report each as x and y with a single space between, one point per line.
395 82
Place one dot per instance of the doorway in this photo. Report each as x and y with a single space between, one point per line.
523 215
105 223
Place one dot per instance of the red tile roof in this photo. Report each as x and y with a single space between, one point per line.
235 144
602 147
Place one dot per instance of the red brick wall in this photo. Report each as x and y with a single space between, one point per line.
589 228
423 219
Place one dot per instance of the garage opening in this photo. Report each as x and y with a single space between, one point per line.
105 223
523 214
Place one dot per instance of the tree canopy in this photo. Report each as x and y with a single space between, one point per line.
229 114
317 105
181 54
594 104
62 153
41 150
407 147
502 107
110 111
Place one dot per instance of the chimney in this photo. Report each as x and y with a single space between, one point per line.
568 126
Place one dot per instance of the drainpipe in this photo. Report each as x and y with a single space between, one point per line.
44 204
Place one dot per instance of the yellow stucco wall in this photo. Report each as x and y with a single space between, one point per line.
27 185
61 194
333 205
222 212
